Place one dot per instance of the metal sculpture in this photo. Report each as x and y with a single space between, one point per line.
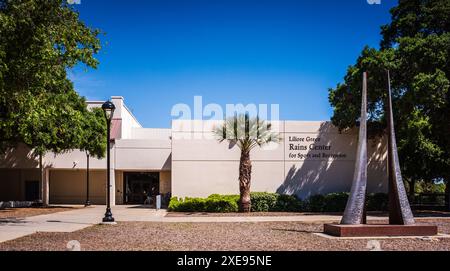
399 209
355 210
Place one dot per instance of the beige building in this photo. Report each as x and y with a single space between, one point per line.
186 160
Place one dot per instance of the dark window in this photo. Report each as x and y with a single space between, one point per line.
31 190
141 188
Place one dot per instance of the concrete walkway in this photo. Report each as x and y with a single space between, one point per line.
78 219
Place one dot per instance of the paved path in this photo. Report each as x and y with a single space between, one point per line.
78 219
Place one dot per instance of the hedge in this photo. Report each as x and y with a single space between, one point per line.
336 202
261 202
271 202
211 205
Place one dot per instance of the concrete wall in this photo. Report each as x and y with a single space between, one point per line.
128 154
145 155
151 134
201 166
69 187
128 120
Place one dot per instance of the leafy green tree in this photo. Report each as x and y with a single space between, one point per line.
94 134
246 133
415 47
40 40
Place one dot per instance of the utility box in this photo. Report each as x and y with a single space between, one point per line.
158 202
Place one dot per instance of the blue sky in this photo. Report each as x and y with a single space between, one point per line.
157 53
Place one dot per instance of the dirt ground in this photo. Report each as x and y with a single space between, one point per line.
273 236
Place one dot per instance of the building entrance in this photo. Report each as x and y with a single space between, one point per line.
141 188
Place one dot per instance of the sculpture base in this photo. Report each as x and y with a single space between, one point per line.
373 230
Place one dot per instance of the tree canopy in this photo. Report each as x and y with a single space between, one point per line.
40 40
415 47
246 132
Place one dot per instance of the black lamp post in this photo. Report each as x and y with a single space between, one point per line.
108 108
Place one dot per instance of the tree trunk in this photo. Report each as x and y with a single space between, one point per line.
447 194
245 175
41 181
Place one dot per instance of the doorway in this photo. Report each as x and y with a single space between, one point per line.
141 187
32 190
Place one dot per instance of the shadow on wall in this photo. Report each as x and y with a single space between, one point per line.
168 163
18 158
313 176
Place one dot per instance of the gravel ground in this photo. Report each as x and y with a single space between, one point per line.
18 213
276 236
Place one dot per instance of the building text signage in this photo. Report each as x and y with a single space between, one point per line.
305 147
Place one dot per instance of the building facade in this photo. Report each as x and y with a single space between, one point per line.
188 161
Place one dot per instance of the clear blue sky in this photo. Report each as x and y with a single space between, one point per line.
160 53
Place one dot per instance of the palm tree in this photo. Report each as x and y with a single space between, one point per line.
247 133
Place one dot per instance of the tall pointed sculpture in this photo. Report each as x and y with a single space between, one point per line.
399 209
401 220
354 212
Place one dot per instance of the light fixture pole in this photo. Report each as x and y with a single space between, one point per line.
88 202
108 108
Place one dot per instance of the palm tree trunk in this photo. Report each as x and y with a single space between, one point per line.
245 173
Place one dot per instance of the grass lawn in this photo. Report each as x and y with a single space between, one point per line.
283 236
18 213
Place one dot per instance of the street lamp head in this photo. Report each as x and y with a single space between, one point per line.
108 108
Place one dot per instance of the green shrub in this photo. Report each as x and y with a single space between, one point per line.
174 204
377 202
225 197
287 203
221 206
212 205
263 202
335 202
271 202
187 205
315 203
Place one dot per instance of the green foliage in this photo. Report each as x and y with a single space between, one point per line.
261 202
212 205
94 138
40 40
288 203
377 202
429 188
246 132
414 48
271 202
315 203
336 202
